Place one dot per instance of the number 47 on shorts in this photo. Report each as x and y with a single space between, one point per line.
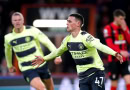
99 81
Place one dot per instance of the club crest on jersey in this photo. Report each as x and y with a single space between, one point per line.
120 37
81 46
27 39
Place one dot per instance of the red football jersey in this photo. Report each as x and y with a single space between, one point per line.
116 38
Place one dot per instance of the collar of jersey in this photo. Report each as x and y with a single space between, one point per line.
77 35
117 27
19 33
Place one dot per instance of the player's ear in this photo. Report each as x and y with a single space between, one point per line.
79 23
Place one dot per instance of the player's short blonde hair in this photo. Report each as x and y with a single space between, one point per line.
18 13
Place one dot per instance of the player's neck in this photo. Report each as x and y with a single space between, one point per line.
18 30
75 33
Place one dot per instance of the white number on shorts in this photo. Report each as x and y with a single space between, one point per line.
99 81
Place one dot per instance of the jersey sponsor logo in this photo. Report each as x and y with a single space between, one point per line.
78 54
23 47
118 42
26 52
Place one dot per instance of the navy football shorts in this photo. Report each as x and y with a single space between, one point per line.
93 82
42 72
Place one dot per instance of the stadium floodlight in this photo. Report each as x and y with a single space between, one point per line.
49 23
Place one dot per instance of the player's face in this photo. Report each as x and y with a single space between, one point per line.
17 21
119 20
71 24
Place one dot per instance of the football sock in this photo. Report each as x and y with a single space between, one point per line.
128 87
113 88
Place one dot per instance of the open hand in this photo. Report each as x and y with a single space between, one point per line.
38 61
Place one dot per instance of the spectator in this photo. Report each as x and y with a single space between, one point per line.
117 35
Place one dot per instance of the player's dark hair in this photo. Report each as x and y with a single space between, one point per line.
79 17
119 12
